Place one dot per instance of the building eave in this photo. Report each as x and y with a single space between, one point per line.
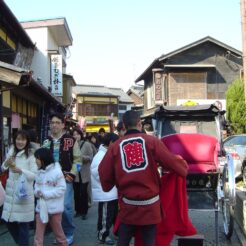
24 39
70 78
147 70
58 27
15 76
42 90
97 95
133 92
11 74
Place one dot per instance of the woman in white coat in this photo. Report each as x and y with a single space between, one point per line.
19 212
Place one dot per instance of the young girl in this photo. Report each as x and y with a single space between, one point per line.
18 213
50 185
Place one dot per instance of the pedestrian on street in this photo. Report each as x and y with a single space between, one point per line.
131 163
2 194
107 201
50 186
94 140
66 151
18 212
121 129
83 176
101 134
34 143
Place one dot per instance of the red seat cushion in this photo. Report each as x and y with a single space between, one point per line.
200 151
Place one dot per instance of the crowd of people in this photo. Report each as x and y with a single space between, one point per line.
63 176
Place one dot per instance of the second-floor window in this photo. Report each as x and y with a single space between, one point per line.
150 96
122 107
88 109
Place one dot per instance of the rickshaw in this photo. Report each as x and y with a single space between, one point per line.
195 133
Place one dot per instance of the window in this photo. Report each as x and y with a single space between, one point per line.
97 109
32 110
14 103
236 140
24 107
150 96
122 107
207 127
19 104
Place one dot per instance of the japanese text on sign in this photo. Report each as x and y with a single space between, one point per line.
158 88
133 154
56 75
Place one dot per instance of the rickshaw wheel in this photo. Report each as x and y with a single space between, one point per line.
228 219
227 208
244 174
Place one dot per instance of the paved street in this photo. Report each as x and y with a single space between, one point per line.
205 224
86 231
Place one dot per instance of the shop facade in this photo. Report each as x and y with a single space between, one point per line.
24 104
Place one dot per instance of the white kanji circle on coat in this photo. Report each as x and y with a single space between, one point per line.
133 154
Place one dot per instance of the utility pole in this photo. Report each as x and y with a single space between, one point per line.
243 19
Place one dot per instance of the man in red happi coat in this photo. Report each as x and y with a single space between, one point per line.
131 164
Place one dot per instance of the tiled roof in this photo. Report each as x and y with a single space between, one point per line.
92 90
100 90
160 59
123 97
138 90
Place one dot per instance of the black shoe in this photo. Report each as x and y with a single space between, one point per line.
84 217
77 215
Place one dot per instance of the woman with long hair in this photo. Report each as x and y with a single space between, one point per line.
83 177
18 212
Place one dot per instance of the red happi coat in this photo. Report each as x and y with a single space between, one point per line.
131 164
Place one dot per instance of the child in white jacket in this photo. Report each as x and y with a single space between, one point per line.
107 201
50 185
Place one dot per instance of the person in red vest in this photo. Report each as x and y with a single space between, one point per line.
131 163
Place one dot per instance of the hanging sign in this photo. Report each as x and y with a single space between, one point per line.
56 75
158 89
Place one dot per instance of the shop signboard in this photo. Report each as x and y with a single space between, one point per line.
220 103
56 75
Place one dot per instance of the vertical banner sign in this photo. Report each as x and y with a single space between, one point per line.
158 89
56 75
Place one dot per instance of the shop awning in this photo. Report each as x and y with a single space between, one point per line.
16 76
39 88
11 74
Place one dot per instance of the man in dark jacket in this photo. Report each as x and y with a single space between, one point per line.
65 151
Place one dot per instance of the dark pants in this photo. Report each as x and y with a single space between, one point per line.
20 232
107 212
126 232
81 197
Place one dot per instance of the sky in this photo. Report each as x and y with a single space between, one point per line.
114 41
